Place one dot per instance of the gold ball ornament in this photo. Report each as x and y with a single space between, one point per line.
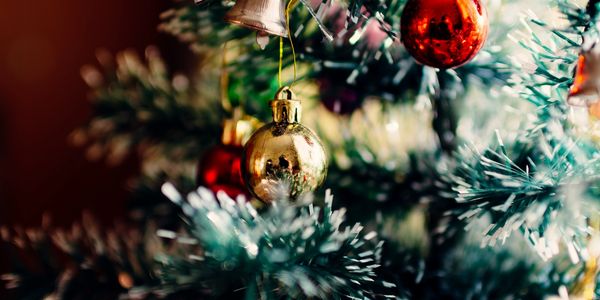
283 159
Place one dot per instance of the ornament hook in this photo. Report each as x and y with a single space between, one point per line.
289 6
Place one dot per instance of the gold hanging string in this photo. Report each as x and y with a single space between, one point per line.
290 5
280 61
288 8
224 82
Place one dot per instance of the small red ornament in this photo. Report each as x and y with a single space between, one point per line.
219 169
444 33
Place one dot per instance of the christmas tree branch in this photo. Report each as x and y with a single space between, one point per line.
290 250
137 104
530 186
81 261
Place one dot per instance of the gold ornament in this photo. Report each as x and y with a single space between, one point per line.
586 84
261 15
283 159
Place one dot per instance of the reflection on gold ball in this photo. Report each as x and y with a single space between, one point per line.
283 160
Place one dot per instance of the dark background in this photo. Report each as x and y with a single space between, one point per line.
43 45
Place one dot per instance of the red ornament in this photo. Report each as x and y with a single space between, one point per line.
444 33
219 170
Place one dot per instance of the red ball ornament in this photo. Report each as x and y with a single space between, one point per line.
220 168
444 33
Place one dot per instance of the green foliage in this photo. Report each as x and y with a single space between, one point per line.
522 195
288 251
541 184
138 103
508 272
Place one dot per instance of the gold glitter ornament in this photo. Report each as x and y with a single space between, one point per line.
283 159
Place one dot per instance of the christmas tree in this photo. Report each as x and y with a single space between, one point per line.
384 149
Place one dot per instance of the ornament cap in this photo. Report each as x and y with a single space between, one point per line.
286 108
237 130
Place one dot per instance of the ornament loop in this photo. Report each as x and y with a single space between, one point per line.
285 93
286 108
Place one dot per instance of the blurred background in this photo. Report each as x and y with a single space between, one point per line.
43 98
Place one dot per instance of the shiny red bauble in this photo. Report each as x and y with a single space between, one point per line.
444 33
219 170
